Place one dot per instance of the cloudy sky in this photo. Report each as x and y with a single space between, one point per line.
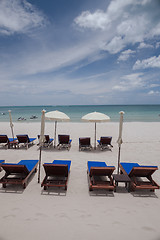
58 52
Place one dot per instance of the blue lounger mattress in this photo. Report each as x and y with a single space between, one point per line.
32 139
62 162
30 164
128 166
96 164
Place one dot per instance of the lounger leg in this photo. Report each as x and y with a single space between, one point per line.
4 185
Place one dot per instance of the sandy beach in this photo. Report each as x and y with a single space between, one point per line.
32 213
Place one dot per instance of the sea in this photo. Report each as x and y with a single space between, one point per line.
133 113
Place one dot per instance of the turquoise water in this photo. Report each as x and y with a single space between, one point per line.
135 113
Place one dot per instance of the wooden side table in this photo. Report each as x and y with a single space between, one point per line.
122 178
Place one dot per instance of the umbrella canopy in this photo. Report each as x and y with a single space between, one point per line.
41 140
119 141
11 123
56 116
96 117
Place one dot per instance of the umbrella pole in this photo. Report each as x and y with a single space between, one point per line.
119 151
11 124
95 137
55 134
39 169
12 133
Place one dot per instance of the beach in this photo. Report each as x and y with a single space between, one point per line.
33 213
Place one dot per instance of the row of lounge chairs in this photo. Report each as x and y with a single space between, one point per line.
103 143
64 141
16 142
100 175
26 141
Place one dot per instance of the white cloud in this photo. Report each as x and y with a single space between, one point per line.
153 93
97 20
152 62
154 85
157 44
18 16
115 45
125 55
124 22
144 45
130 82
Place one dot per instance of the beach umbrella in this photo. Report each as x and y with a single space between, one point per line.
11 123
41 141
56 116
119 141
95 117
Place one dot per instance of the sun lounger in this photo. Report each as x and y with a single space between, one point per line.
1 161
25 140
85 144
5 141
105 143
56 174
64 142
139 174
18 173
100 176
48 141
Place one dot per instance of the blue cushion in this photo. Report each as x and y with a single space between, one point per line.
98 141
63 162
128 166
32 139
30 164
11 139
148 166
1 161
96 164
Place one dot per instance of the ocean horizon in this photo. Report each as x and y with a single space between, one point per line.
133 113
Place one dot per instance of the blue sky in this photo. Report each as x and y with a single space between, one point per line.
58 52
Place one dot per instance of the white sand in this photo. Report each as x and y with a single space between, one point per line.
79 214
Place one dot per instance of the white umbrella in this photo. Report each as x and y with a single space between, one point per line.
11 123
95 117
56 116
41 141
119 141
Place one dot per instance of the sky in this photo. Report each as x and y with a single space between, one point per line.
87 52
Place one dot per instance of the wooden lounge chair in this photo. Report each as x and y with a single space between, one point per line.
105 143
57 174
48 141
85 144
100 176
25 140
1 161
64 142
138 175
18 173
5 141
